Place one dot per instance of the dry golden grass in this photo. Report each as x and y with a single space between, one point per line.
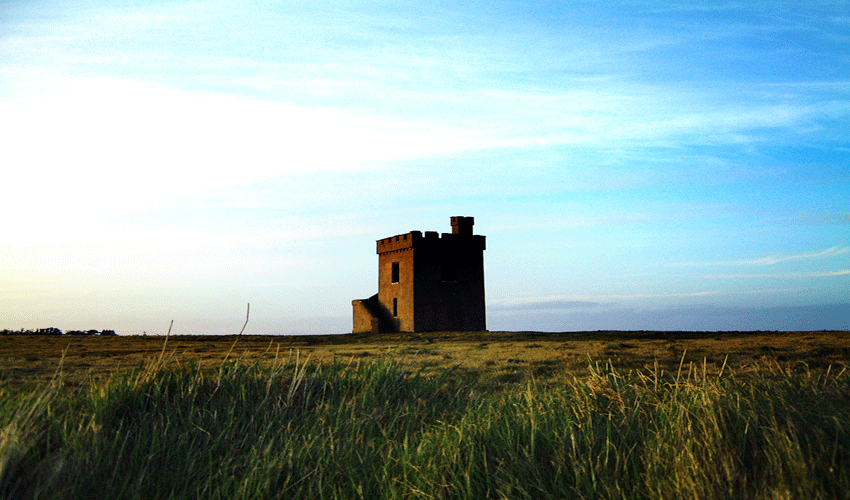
493 357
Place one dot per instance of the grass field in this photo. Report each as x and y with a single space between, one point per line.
491 356
443 415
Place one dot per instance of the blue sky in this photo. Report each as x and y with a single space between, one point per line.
634 165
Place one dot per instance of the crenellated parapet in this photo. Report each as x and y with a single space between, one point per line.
398 242
431 239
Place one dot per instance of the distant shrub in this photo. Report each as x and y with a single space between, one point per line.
56 331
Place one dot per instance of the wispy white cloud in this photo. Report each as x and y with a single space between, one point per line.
770 260
827 274
838 218
614 300
545 304
775 259
105 133
397 91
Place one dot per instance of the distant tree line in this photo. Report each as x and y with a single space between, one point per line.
56 331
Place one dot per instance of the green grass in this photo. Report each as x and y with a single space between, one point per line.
372 430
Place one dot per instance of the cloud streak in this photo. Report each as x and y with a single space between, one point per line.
776 259
596 109
827 274
614 300
546 304
770 260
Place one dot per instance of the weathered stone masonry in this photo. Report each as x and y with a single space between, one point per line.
427 283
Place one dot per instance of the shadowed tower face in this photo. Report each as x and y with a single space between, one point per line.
427 283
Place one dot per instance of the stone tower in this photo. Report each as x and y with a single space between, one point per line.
427 283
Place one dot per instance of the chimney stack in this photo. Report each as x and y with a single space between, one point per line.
462 225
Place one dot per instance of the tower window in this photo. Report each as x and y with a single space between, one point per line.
449 272
395 307
395 272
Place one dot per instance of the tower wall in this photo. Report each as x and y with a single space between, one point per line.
449 285
397 297
366 318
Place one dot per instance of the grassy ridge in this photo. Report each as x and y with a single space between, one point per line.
291 429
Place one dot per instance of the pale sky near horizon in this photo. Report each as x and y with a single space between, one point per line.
634 165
